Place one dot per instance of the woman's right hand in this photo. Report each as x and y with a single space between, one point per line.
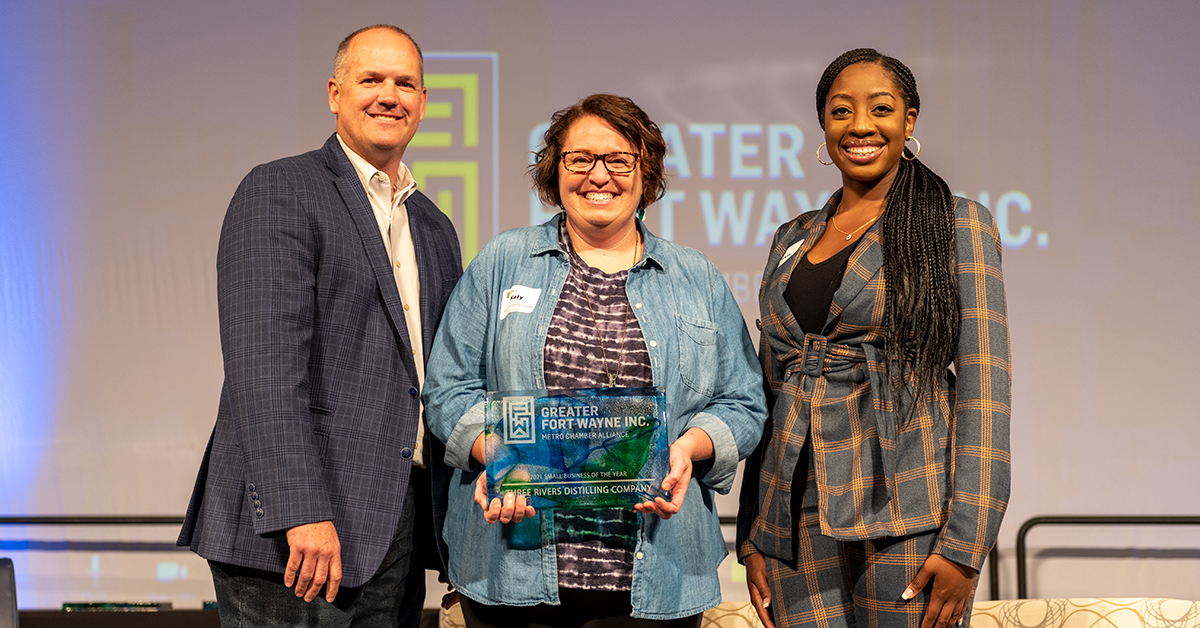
756 582
512 509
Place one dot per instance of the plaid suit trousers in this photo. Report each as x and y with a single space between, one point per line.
843 584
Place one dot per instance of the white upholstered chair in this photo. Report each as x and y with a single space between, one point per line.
1054 613
1087 613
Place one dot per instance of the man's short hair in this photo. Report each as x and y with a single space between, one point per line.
339 58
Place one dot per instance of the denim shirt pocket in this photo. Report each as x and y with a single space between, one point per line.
698 367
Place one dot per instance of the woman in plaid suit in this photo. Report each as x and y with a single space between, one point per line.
882 477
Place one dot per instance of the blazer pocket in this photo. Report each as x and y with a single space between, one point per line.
320 430
698 359
321 438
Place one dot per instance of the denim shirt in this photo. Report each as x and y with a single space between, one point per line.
700 352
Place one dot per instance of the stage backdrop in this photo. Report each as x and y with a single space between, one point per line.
129 123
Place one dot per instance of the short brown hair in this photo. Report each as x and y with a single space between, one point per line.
339 58
630 121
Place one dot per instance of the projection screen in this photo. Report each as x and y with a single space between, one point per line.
131 122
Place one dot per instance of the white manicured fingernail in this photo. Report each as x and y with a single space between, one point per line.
909 594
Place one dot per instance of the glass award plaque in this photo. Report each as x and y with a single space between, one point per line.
583 448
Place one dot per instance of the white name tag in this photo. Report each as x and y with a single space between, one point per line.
519 299
791 250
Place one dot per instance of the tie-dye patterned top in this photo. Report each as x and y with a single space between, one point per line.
595 545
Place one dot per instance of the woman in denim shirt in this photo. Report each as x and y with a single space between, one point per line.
592 298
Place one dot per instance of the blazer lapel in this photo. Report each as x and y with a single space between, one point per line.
427 265
355 198
776 286
864 264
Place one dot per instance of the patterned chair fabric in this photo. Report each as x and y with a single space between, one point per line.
1087 613
1056 613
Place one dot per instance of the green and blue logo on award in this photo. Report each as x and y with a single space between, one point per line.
585 448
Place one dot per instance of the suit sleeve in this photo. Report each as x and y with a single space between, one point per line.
266 276
981 459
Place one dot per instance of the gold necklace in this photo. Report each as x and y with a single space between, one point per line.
612 377
833 221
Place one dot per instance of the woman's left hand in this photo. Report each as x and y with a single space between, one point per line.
512 508
692 446
951 584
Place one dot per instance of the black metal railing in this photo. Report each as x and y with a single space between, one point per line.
91 520
993 559
99 520
1120 520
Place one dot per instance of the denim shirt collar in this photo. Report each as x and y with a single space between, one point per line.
547 242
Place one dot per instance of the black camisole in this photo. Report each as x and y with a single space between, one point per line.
810 290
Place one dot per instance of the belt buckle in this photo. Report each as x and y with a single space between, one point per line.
813 358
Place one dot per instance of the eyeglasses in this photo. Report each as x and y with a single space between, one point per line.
580 162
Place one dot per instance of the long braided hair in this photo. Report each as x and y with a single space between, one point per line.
922 308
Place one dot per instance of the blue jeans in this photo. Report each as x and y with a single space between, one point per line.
392 598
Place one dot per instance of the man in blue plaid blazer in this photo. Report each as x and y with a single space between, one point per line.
303 504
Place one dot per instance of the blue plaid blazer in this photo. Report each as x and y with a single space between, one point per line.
882 471
319 409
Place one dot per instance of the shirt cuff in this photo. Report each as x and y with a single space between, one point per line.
468 428
719 477
746 549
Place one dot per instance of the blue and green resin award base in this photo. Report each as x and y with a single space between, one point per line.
583 448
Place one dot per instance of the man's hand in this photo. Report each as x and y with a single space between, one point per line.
760 593
692 446
317 555
951 586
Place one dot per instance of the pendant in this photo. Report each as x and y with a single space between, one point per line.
612 380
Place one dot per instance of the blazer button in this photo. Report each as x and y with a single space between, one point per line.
251 487
857 376
412 392
253 495
257 504
758 323
406 453
259 513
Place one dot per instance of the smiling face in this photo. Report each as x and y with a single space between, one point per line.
866 124
379 99
598 201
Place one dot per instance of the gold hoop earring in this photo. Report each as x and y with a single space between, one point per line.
823 162
916 154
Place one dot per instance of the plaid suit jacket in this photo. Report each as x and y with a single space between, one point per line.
319 409
881 470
